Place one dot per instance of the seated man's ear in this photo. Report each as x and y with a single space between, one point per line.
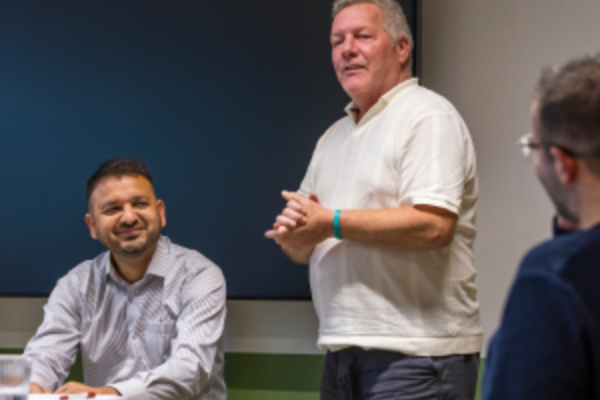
89 220
162 211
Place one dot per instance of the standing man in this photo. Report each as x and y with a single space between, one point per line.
548 343
386 218
147 314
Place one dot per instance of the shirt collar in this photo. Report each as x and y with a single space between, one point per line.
159 265
351 109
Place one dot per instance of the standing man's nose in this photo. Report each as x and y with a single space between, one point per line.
348 47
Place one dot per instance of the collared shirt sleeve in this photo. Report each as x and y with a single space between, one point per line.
54 347
436 159
194 350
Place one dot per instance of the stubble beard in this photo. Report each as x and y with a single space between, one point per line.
557 194
132 249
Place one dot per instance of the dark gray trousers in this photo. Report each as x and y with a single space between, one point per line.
357 374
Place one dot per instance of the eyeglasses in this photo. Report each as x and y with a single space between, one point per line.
528 147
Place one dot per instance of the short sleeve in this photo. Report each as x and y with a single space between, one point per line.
436 158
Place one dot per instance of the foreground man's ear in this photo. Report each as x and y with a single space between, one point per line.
565 166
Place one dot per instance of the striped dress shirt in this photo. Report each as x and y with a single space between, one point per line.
159 338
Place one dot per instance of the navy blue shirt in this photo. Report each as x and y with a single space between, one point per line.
548 343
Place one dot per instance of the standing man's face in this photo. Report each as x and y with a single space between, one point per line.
125 215
546 172
363 57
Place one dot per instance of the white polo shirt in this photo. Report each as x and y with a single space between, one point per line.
412 147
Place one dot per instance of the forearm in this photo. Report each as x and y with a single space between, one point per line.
53 349
184 375
304 223
407 228
51 357
176 379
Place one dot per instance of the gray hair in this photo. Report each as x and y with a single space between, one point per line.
569 108
394 20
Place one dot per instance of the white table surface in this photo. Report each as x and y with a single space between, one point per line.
57 397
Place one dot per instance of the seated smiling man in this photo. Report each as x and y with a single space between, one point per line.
147 314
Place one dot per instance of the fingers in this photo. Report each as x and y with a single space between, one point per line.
293 197
73 387
291 217
276 233
289 196
294 205
294 215
286 222
35 388
63 389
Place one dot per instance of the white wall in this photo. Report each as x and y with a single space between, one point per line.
485 56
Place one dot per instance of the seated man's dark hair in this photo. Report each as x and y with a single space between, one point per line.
117 168
569 113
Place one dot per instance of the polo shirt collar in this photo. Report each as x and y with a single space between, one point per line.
352 109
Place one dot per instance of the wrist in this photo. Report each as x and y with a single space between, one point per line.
336 224
328 224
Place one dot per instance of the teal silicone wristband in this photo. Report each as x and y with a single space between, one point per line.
336 224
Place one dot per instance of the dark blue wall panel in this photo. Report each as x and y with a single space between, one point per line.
224 100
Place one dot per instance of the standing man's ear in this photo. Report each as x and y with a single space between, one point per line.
162 211
403 47
565 166
89 221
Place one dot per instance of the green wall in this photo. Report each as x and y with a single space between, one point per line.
263 376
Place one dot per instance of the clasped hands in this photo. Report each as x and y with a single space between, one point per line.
302 224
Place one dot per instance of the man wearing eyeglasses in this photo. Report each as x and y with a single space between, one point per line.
548 344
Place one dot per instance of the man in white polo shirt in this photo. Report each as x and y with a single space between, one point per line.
386 218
